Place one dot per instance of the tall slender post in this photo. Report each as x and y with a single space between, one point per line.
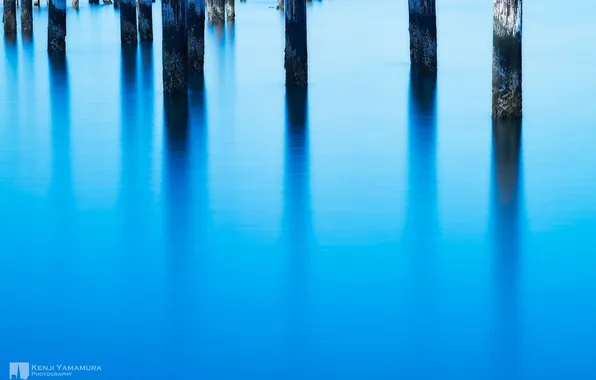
423 34
145 20
10 17
507 59
128 22
196 35
27 16
231 9
56 26
296 52
216 11
174 46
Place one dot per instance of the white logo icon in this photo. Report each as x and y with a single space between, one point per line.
19 371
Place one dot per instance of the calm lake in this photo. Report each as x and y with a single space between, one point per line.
376 226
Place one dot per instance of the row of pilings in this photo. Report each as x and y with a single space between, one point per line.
183 23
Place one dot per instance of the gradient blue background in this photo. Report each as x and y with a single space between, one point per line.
359 231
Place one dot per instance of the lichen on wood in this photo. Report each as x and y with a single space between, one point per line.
56 26
10 17
128 22
27 16
196 35
174 46
145 20
423 34
216 11
507 60
296 49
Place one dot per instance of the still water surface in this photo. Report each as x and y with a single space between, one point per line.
377 226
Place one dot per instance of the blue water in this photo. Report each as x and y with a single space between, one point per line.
376 226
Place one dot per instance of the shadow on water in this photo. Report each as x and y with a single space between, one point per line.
507 206
421 225
297 220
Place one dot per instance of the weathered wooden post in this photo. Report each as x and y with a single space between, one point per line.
174 46
216 11
231 9
423 34
10 17
75 4
296 52
128 22
196 35
507 59
27 16
56 26
145 20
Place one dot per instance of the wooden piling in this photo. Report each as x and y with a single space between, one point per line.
56 26
196 35
174 46
231 10
296 52
423 34
145 20
27 16
507 59
128 22
10 17
216 11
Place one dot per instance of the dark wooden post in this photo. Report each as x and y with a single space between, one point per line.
128 22
231 9
174 46
145 20
10 17
507 59
196 35
56 26
27 16
423 34
296 52
216 11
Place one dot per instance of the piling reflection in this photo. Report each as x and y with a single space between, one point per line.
176 172
61 184
507 206
297 219
421 226
422 146
133 185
